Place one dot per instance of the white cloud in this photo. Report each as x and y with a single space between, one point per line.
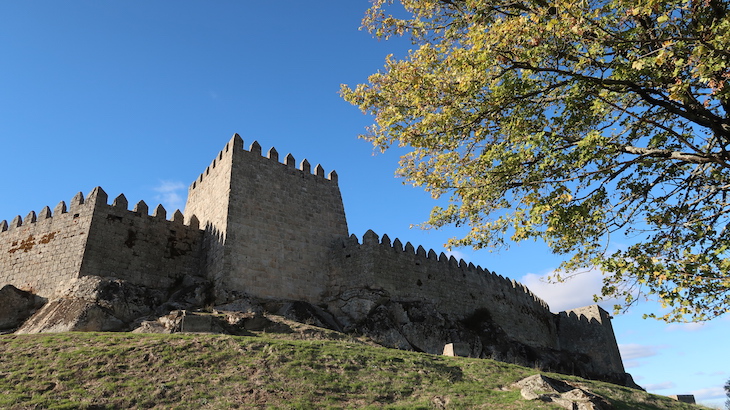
709 393
170 195
456 254
660 386
636 351
574 292
686 327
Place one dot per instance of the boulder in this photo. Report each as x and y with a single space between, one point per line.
71 314
16 306
561 393
93 303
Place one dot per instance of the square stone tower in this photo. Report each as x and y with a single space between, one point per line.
269 226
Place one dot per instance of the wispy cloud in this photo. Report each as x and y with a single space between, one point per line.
660 386
709 393
686 327
633 351
170 194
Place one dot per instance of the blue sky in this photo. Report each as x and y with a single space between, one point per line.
138 97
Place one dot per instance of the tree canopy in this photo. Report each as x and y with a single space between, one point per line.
598 126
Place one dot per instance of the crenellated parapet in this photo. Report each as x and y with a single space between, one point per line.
448 267
235 147
141 209
97 197
77 207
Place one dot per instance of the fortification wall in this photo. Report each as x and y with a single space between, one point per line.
279 225
588 330
144 249
457 288
208 200
43 251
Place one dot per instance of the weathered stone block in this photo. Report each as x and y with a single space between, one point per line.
457 349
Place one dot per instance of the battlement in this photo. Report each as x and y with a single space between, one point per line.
78 205
141 208
593 314
448 267
235 147
97 197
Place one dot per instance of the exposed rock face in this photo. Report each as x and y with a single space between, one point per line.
16 306
72 314
92 303
421 327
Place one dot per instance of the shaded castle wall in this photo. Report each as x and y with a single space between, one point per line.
458 289
276 226
208 200
144 249
43 251
588 330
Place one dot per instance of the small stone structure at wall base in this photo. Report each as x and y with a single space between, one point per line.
263 232
457 349
684 398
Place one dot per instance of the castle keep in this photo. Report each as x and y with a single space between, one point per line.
257 226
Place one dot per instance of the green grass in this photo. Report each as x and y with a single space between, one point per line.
122 370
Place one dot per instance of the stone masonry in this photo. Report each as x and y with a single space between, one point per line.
257 226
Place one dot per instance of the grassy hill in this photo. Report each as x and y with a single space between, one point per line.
266 370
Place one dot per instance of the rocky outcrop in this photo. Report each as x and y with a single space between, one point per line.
105 304
421 326
16 306
93 303
561 393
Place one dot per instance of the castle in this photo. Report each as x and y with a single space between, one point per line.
258 226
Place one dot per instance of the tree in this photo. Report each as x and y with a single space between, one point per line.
727 393
574 122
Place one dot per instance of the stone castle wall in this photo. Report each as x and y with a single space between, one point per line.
588 330
42 252
279 225
144 249
208 199
457 288
256 226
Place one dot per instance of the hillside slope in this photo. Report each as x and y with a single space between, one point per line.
265 370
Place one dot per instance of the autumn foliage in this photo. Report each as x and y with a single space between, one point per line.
599 126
